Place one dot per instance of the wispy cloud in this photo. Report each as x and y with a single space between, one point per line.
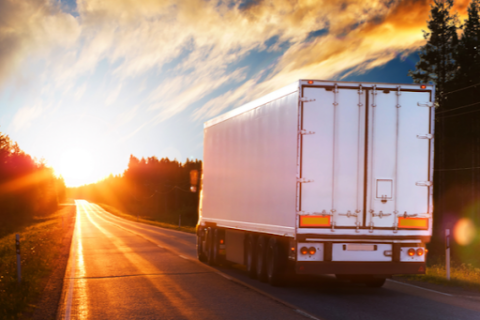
25 116
192 45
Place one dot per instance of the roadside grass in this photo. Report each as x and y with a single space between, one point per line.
40 245
126 215
462 275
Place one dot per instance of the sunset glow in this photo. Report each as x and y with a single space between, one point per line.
141 77
76 167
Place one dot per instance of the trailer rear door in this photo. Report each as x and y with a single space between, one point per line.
398 156
332 155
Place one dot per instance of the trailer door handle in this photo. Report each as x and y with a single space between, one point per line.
423 183
427 104
425 136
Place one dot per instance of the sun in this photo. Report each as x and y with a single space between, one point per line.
76 167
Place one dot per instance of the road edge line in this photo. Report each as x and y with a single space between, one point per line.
411 285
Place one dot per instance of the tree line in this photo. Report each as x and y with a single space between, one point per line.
28 188
450 59
150 188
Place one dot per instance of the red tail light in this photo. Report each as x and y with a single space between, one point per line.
304 250
420 252
312 250
411 252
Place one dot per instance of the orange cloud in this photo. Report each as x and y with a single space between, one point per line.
199 40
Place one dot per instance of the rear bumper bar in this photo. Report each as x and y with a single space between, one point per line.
377 268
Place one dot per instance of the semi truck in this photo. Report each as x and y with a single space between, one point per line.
321 177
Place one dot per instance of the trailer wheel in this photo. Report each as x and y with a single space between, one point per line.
250 256
200 253
215 247
260 257
275 262
209 245
375 283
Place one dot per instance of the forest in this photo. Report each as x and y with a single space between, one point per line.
451 60
149 188
28 188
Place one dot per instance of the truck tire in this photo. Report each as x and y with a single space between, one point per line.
209 245
250 256
275 262
215 247
200 253
260 257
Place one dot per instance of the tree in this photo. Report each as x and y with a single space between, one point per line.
469 48
437 57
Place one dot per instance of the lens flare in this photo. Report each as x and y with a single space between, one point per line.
464 231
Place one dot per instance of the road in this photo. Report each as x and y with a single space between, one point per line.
120 269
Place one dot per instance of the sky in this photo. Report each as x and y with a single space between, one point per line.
84 84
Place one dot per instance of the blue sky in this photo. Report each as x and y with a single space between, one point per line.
85 84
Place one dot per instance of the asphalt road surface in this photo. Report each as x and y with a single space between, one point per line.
120 269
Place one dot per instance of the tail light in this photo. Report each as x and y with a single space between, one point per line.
411 252
304 250
312 250
420 252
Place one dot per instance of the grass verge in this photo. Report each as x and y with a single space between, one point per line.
125 215
462 275
40 245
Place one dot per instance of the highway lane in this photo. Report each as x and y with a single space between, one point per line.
128 269
116 274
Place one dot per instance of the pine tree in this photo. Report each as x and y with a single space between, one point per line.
469 49
437 57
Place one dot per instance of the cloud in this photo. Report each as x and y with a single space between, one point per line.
31 27
25 116
192 46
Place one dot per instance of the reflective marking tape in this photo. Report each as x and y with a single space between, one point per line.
413 223
314 221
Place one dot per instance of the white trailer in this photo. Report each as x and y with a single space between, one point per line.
321 177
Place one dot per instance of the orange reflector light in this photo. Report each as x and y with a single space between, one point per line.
312 250
221 241
310 81
304 250
420 252
411 252
423 86
413 223
292 248
314 221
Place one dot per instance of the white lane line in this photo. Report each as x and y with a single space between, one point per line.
411 285
71 283
224 275
186 258
303 313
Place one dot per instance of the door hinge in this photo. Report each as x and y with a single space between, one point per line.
424 183
303 180
305 132
425 136
428 104
306 100
405 215
323 213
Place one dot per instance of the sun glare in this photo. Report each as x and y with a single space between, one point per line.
464 231
76 167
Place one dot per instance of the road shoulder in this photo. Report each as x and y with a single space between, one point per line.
50 298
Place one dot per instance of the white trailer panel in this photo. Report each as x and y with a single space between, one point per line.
361 153
249 173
